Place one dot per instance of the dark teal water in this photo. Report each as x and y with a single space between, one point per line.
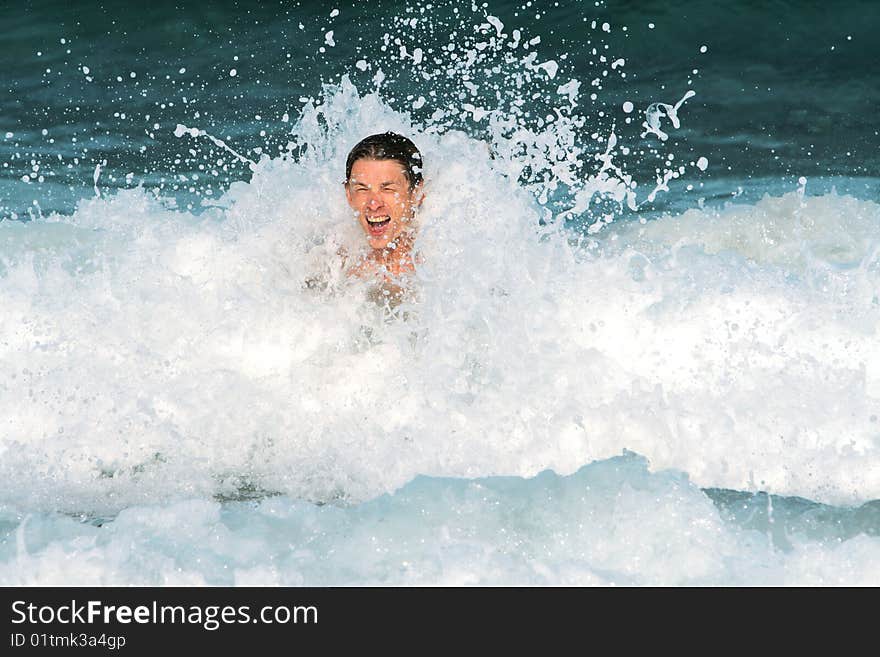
784 89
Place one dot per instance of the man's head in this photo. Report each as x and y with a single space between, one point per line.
383 184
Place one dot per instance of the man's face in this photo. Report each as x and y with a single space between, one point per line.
380 194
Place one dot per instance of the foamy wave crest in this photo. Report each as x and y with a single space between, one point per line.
610 523
151 354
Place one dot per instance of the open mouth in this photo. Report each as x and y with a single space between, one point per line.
376 225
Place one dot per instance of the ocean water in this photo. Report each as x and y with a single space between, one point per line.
642 346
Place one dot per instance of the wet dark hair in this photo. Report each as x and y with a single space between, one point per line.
388 146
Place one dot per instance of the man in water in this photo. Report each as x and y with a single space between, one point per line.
383 185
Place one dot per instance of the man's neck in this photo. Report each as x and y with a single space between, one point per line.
396 256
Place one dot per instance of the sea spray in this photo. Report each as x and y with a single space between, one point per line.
524 352
583 391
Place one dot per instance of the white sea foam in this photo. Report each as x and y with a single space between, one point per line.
611 523
156 362
151 355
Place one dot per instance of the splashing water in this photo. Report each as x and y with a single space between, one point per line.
165 368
